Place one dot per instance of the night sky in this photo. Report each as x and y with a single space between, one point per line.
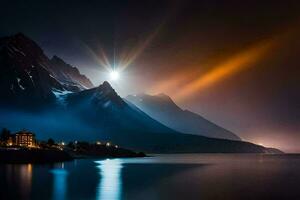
234 62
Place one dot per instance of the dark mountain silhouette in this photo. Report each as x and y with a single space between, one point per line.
68 75
27 75
105 108
70 112
162 108
125 124
23 72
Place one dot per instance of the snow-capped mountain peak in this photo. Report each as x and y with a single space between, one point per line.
27 76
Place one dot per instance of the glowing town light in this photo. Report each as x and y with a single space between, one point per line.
107 144
114 75
98 143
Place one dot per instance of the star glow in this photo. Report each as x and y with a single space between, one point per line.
114 75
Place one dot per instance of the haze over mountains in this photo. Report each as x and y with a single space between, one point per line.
162 108
51 98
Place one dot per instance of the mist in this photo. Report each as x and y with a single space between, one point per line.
49 123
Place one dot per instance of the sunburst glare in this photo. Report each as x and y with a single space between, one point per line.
114 75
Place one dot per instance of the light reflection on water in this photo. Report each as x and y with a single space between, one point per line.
20 176
59 182
26 179
197 176
110 184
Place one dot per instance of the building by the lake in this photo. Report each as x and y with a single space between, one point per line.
25 138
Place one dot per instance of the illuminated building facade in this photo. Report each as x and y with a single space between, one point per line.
25 138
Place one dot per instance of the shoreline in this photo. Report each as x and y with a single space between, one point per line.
45 156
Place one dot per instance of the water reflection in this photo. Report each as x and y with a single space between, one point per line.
211 176
26 179
59 182
20 177
110 185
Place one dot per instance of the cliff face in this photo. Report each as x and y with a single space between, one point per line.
68 74
23 72
27 75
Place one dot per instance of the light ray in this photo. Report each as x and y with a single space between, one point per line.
101 58
128 57
173 82
231 66
104 59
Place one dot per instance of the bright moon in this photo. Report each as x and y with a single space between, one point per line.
114 75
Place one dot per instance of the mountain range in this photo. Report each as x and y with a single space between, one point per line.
28 75
54 99
163 109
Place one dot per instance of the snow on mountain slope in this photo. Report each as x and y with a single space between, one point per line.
71 112
68 75
125 124
25 77
111 112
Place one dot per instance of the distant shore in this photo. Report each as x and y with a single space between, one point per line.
25 155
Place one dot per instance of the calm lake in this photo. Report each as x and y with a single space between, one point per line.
183 176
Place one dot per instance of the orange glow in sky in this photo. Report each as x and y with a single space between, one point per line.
231 66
